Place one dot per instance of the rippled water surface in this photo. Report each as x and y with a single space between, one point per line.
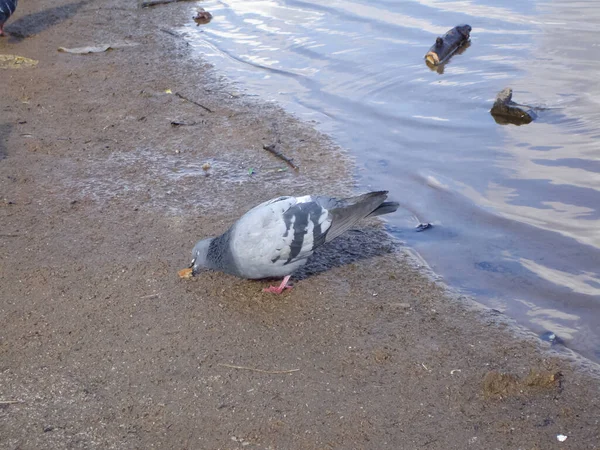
516 210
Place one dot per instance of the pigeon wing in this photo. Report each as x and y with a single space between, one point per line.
271 237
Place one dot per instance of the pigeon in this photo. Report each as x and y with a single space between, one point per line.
277 237
7 7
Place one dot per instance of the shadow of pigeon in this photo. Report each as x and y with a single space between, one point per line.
350 247
5 129
35 23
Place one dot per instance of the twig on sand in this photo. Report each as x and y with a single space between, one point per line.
172 33
272 148
183 97
258 370
9 402
148 3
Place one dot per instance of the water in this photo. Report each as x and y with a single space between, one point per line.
516 210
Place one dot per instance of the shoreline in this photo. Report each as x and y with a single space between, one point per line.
104 347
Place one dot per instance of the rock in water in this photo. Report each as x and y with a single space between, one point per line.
506 111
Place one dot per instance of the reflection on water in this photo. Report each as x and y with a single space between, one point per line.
516 209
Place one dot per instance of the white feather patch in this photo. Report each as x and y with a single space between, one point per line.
304 199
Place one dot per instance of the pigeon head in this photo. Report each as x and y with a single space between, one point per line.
200 255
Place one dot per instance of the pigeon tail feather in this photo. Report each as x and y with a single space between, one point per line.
350 210
385 208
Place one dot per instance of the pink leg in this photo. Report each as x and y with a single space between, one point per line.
279 289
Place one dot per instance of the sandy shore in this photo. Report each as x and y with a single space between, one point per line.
102 346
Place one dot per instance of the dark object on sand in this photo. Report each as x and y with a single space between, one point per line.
177 123
202 17
183 97
423 227
7 8
160 2
273 148
446 45
506 111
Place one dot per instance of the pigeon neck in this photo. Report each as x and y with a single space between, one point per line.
220 255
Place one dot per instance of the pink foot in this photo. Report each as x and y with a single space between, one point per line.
279 289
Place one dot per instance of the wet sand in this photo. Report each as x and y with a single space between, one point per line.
102 346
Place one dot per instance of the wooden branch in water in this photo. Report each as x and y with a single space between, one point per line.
183 97
446 45
149 3
272 148
231 366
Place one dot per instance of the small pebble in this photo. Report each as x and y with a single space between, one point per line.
205 166
561 437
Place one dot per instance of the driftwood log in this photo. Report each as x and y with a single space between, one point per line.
202 17
446 45
506 111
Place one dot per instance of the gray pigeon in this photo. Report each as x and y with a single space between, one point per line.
277 237
7 7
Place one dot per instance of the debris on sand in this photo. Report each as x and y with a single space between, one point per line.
95 48
183 97
502 385
273 148
178 123
150 3
85 50
185 274
16 62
